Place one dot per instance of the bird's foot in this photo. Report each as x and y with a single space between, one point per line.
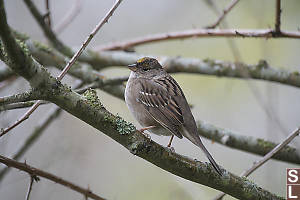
142 131
171 149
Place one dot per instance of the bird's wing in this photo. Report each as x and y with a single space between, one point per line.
158 96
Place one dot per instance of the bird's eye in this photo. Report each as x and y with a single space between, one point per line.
146 69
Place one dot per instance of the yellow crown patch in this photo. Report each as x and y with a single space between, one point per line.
141 60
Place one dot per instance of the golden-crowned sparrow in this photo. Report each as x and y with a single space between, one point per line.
156 101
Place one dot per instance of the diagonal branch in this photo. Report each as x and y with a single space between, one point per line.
37 172
267 157
89 109
69 17
35 135
67 67
29 187
88 57
88 39
225 12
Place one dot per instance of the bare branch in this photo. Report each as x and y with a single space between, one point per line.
69 64
37 172
88 39
278 15
69 17
88 57
29 188
20 120
34 136
48 14
267 157
242 33
225 12
246 143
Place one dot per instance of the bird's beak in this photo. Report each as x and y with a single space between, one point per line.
133 67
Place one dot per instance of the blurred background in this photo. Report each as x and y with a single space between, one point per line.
77 152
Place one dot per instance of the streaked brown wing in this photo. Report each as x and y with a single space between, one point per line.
159 99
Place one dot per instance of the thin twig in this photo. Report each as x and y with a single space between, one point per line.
69 17
267 157
23 118
242 33
48 15
278 15
225 12
29 188
34 136
37 172
88 39
67 67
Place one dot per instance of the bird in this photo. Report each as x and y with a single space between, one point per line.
158 103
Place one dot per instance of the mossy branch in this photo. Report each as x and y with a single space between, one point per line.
247 143
89 109
49 57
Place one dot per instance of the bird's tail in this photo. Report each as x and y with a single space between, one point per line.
210 158
197 141
194 138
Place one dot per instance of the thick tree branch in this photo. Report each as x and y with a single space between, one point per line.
66 68
260 71
16 98
46 29
267 157
17 105
247 143
89 109
48 57
5 72
37 172
21 63
254 145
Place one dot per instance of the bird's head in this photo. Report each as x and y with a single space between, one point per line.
146 65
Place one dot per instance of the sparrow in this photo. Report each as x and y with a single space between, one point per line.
157 102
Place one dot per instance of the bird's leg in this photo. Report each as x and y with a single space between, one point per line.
170 142
144 129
